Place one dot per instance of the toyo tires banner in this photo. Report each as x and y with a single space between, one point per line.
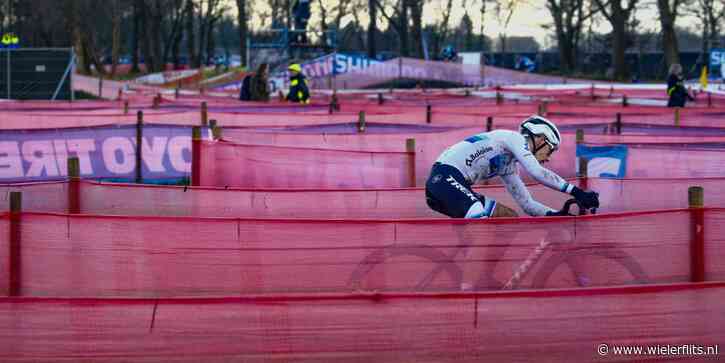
107 152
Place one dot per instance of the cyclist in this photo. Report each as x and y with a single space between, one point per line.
485 155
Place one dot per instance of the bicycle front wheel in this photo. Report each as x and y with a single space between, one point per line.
589 268
407 268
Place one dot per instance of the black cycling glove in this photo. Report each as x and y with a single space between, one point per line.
586 199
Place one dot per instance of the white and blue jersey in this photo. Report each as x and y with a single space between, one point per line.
483 156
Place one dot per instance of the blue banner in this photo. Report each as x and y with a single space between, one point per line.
107 152
717 60
604 161
331 64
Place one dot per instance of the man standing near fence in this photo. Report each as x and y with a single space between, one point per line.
676 90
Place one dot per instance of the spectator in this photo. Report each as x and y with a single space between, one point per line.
255 86
449 54
525 63
301 13
259 87
676 91
298 91
245 92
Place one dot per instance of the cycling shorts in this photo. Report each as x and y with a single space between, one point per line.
448 192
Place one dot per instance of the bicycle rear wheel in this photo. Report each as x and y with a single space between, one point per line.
407 268
597 267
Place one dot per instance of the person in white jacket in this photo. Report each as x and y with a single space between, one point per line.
485 155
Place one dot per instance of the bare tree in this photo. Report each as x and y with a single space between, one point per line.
37 22
372 28
504 12
482 11
82 27
416 15
135 40
191 34
336 13
280 10
466 29
147 18
172 37
618 16
116 34
569 17
710 13
215 9
669 10
243 19
398 19
356 8
442 29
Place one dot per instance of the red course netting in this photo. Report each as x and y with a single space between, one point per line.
66 255
238 165
685 162
616 195
532 326
661 162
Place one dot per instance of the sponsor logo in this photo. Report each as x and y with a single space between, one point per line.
436 178
471 158
101 152
460 187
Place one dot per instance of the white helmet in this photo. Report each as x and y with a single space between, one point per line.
538 125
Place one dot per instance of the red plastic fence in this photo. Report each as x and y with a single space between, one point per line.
616 195
237 165
448 108
430 145
67 255
532 326
674 163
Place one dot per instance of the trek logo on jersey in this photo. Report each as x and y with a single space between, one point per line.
460 187
471 158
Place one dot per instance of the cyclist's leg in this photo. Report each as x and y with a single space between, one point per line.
447 192
494 244
503 211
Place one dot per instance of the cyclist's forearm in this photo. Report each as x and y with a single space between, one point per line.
523 198
544 175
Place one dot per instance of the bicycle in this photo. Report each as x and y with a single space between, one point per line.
444 273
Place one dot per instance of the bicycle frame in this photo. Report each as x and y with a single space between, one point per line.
531 260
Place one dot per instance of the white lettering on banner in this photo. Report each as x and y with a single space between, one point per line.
82 148
177 145
61 156
356 64
11 166
340 64
41 158
112 147
153 155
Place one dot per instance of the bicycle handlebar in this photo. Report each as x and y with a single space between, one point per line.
582 211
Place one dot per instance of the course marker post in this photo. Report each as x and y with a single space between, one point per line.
410 149
74 185
696 201
14 263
